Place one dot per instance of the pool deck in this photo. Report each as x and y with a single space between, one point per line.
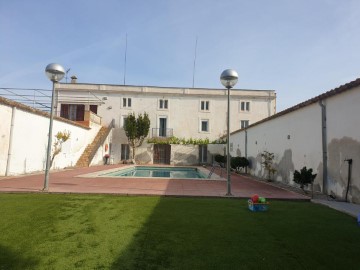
68 181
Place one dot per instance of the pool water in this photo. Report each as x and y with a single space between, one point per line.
165 172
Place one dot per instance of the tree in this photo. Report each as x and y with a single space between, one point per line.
136 130
267 163
304 177
60 138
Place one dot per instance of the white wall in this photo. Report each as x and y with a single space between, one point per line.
30 136
304 145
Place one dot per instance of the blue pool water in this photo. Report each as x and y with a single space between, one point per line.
166 172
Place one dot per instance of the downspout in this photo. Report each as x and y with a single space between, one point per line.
324 144
246 143
8 162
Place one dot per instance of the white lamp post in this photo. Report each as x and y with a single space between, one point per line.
228 78
55 73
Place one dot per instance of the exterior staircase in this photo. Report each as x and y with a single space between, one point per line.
91 149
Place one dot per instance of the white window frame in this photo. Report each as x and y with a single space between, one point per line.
244 121
161 104
205 102
201 120
122 121
247 106
126 105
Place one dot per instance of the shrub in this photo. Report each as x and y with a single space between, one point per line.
238 163
304 177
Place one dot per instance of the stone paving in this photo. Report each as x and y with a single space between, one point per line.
67 181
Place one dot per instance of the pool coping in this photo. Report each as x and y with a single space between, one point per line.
204 171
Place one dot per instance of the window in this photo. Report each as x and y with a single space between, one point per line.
204 126
123 120
245 106
125 151
72 112
205 105
163 104
126 102
244 123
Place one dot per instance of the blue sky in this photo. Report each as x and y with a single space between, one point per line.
300 48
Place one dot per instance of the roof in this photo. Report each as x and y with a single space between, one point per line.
29 109
336 91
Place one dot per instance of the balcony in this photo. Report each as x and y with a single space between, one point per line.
162 132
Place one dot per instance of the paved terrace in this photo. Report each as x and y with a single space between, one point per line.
67 181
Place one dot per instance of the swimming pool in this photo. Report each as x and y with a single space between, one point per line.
157 172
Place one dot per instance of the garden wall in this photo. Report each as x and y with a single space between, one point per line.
295 137
24 151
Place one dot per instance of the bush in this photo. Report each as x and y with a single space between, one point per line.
304 177
220 159
238 163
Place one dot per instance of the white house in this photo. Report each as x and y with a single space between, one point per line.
196 113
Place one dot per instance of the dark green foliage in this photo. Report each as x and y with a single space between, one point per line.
238 163
136 130
220 159
304 177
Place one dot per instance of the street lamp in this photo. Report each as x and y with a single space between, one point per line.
55 73
228 78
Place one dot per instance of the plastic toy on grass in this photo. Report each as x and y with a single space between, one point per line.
258 204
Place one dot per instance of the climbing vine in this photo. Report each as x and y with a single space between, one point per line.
183 141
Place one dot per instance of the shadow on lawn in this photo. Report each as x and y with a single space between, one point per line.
178 235
12 260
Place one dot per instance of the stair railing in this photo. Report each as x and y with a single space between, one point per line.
101 140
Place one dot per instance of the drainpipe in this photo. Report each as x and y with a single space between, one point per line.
246 143
10 141
324 144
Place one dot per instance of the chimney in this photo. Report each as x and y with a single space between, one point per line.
73 79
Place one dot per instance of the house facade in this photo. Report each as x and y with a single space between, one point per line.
189 113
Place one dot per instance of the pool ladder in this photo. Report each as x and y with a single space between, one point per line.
213 169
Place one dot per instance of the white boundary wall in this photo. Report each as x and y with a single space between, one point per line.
29 141
296 140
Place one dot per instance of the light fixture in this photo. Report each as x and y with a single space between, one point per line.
228 78
55 73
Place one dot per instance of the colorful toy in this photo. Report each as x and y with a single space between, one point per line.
255 198
258 204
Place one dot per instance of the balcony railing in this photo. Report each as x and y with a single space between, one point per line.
162 132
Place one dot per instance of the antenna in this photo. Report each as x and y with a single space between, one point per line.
66 74
125 59
194 62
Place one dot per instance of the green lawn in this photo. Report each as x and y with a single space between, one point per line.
40 231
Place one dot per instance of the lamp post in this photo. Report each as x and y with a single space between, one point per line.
55 73
228 78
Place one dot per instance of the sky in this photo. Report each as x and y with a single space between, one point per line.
299 48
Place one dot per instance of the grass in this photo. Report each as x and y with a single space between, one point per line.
40 231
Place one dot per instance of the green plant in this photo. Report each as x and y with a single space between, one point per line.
136 130
304 177
239 163
60 138
220 159
267 163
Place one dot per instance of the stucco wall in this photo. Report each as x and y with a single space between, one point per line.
296 140
29 141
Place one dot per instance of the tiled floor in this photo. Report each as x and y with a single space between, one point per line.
66 181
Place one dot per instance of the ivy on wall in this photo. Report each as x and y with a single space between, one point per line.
183 141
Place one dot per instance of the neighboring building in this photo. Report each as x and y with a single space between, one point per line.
321 133
180 112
